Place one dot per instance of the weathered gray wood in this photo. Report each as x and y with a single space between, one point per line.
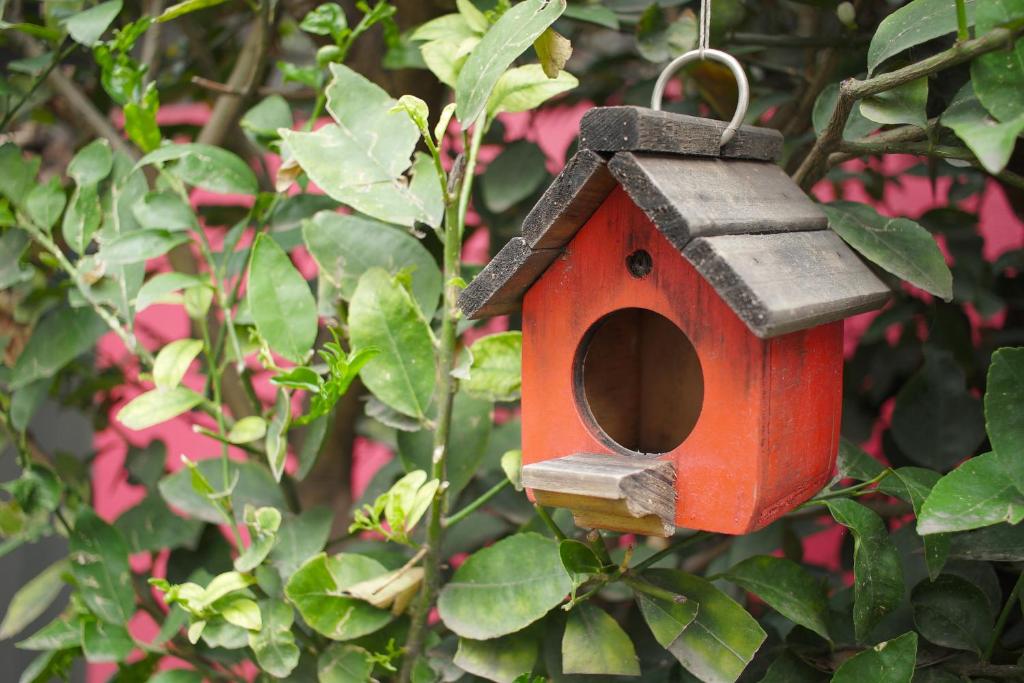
639 129
610 491
569 201
694 197
784 282
500 286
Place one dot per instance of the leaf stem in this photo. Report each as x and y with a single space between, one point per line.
997 630
661 554
962 33
851 90
475 505
642 586
548 522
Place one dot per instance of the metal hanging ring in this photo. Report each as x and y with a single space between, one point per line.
742 86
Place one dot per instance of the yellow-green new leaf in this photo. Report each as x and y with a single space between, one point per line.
173 361
158 405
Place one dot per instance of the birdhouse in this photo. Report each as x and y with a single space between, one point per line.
682 306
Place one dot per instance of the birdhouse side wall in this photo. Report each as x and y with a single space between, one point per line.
765 436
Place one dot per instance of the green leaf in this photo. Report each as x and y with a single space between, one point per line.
499 659
344 664
889 662
281 302
905 104
508 38
178 675
417 111
485 599
299 538
317 589
915 23
376 143
789 668
176 10
346 246
854 463
471 428
86 26
913 484
308 450
666 619
496 372
151 526
326 20
719 643
13 245
594 14
786 587
513 176
579 560
156 406
857 125
992 142
523 88
276 442
383 315
262 122
241 612
274 645
248 429
254 486
45 203
60 337
158 287
19 175
997 543
952 612
979 493
1004 419
173 361
205 166
62 632
898 245
99 561
82 218
476 19
878 574
936 421
102 642
32 599
658 40
92 163
999 75
594 643
164 210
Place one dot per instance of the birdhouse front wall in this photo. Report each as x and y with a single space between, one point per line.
758 418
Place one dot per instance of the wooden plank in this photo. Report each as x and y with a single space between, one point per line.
639 129
499 287
693 197
611 515
615 485
787 281
569 201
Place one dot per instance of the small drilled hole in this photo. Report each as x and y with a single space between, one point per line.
639 263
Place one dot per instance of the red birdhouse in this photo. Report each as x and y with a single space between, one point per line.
682 310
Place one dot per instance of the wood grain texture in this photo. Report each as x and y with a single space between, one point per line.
639 129
689 198
498 288
569 201
612 486
785 282
767 432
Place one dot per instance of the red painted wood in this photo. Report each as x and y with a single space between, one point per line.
768 431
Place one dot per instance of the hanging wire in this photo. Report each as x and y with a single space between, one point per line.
701 53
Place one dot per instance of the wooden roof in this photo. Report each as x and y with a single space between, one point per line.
733 213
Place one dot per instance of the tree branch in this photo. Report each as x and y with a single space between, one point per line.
851 90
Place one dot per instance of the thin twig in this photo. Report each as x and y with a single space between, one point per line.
997 630
851 90
475 505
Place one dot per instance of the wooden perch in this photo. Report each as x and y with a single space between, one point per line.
617 492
